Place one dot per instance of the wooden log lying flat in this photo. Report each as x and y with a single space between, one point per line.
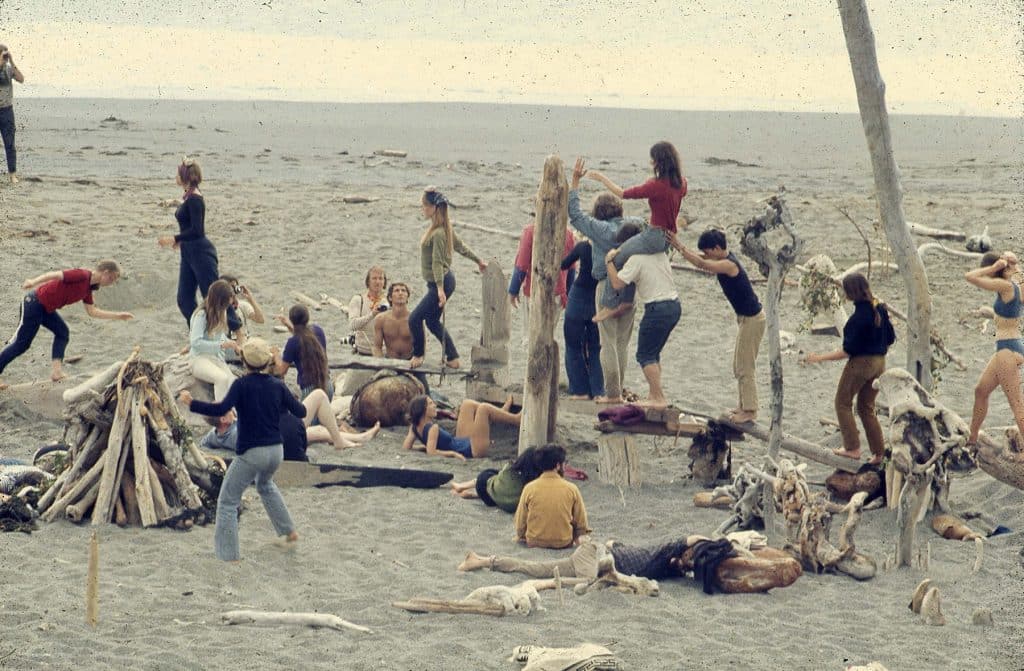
686 429
449 606
399 365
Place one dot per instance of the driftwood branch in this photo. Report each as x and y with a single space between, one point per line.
314 620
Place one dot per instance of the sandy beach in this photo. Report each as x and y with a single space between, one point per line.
275 211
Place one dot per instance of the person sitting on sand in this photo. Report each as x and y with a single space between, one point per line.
715 258
867 336
364 308
259 399
224 434
306 349
437 245
716 563
244 309
472 437
582 341
664 193
1000 274
392 337
501 489
656 289
50 292
551 513
601 227
208 338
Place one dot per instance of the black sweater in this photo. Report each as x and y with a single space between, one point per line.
191 216
860 335
259 399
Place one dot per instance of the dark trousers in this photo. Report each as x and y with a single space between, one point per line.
660 317
7 133
34 315
198 271
427 311
583 356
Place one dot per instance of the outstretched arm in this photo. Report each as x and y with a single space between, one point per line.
96 313
608 184
42 279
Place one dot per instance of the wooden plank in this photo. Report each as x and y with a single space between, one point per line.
618 460
686 429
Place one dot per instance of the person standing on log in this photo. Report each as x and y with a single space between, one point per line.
716 258
364 308
48 293
472 437
198 255
664 193
656 289
551 513
867 336
9 73
208 338
437 245
1000 274
601 227
582 341
259 399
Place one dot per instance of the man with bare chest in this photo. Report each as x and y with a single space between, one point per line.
392 337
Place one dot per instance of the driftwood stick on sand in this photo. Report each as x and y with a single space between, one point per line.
979 546
90 447
392 153
95 384
309 302
81 485
111 459
76 511
923 249
486 229
458 606
937 233
92 582
314 620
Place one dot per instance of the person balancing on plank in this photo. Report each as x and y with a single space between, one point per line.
48 293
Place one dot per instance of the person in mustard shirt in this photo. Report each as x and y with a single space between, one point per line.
551 513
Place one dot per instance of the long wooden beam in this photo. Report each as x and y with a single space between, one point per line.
400 365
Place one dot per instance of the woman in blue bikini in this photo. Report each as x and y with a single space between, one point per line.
472 430
1001 274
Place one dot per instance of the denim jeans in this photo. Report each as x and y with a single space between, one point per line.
427 311
34 315
257 464
7 134
650 241
583 357
660 317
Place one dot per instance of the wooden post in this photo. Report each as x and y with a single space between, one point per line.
618 460
92 583
489 368
860 43
540 389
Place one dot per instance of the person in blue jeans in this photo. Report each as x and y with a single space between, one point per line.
259 400
582 340
656 289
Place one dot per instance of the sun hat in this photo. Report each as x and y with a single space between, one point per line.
256 353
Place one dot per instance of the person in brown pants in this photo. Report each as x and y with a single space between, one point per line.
867 336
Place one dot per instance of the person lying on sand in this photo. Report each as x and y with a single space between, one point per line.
472 437
501 489
48 293
551 513
717 564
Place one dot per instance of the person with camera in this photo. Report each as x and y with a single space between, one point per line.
244 309
9 73
364 308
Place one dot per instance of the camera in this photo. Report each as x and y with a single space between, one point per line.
349 339
382 308
238 288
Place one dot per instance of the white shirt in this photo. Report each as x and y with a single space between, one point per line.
652 274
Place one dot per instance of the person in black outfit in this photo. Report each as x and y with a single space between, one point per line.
198 255
582 340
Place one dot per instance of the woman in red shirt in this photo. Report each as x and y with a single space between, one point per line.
664 193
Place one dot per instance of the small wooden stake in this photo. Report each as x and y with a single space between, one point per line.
558 587
92 583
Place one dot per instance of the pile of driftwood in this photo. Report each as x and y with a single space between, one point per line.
131 459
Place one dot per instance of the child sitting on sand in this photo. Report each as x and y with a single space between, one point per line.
472 428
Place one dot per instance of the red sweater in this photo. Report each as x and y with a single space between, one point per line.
76 286
663 198
524 262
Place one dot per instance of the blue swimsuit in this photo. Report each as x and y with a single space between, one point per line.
1013 309
446 441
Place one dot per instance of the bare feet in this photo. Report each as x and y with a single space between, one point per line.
507 404
876 461
742 416
289 542
3 386
473 562
655 403
452 363
57 376
608 400
848 455
415 362
14 178
373 431
579 397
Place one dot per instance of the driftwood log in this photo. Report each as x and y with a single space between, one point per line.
314 620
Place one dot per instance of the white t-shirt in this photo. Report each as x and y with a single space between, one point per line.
652 274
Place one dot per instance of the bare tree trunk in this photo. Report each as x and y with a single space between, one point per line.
540 389
860 43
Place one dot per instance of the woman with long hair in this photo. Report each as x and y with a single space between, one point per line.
307 351
472 428
198 268
664 193
867 336
437 245
1000 274
501 489
208 338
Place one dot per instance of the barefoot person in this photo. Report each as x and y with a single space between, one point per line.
656 289
472 428
364 308
48 293
259 399
501 489
1000 274
664 193
437 245
867 336
601 227
715 258
198 268
551 513
208 340
582 341
9 73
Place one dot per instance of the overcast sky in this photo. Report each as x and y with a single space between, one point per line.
937 56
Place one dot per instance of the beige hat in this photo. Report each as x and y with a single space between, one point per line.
256 353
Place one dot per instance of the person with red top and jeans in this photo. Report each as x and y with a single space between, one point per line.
522 275
48 293
664 193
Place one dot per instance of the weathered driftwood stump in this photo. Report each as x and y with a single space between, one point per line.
618 460
495 600
490 378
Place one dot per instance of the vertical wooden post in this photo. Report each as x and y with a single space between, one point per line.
92 583
540 389
860 43
489 359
